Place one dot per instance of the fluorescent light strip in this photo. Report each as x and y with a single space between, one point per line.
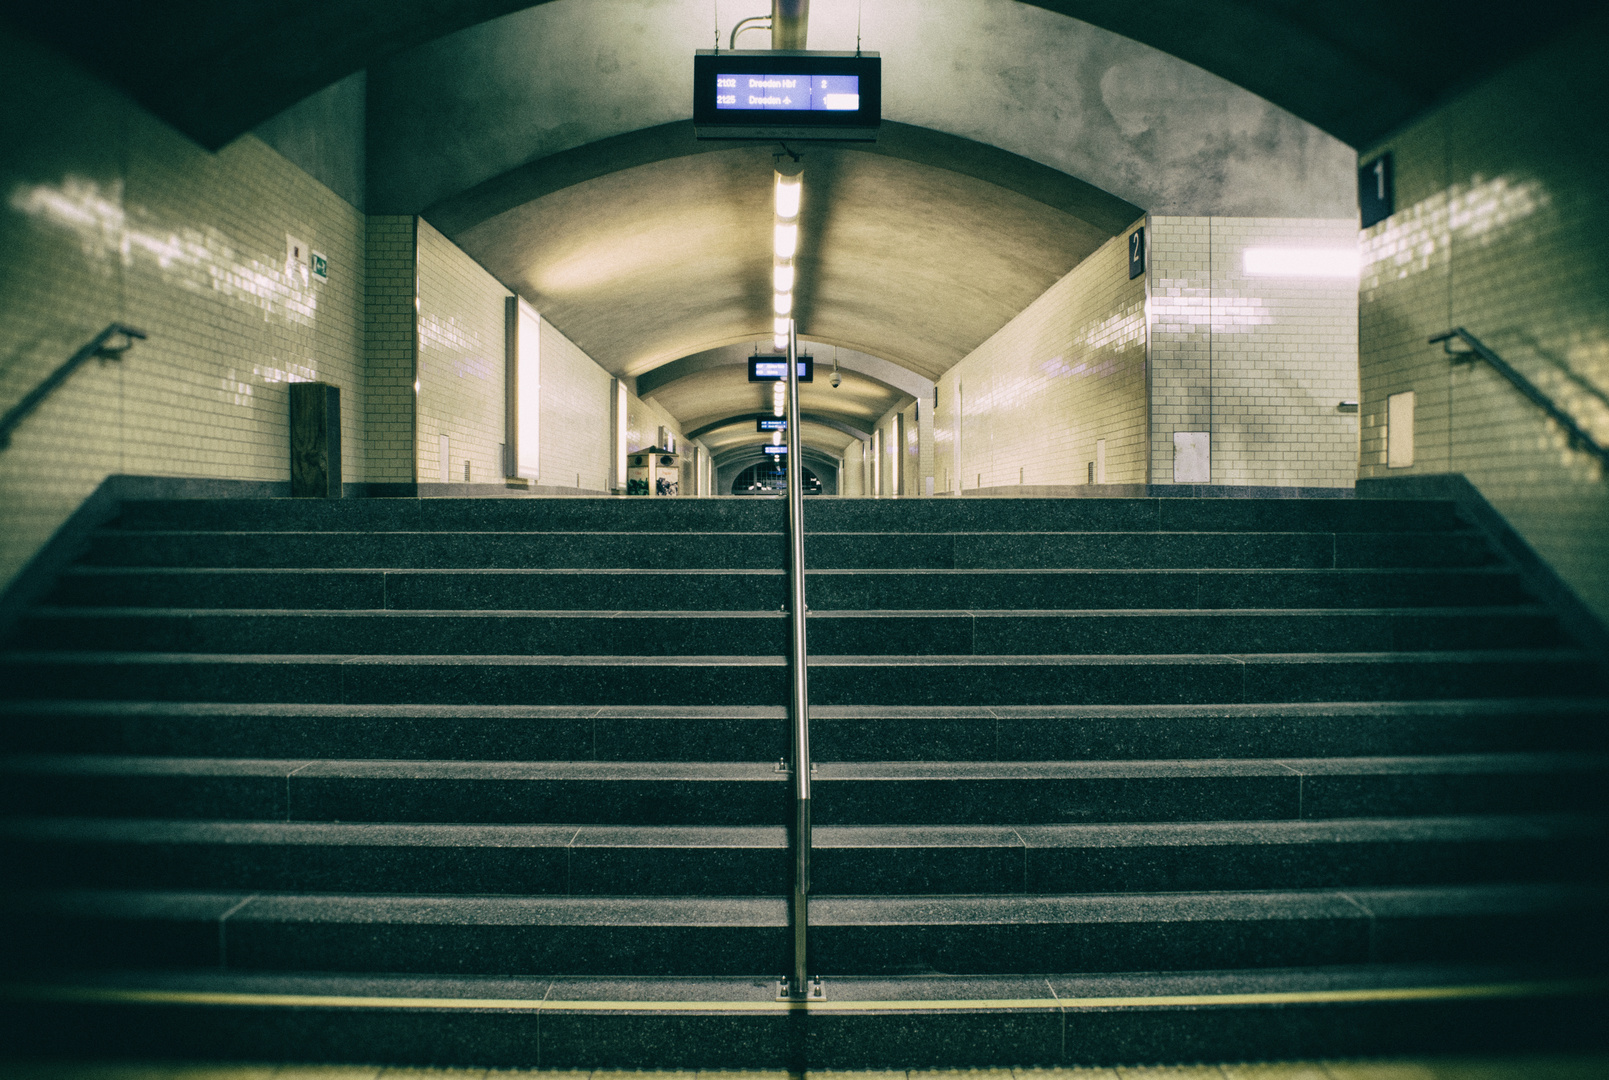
786 240
789 188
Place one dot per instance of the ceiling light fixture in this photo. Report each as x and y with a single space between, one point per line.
787 240
789 189
787 194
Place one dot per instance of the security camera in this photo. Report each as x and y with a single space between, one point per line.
836 379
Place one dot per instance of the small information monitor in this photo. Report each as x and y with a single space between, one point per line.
781 94
770 423
775 368
780 448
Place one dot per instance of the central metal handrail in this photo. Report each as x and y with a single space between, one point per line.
799 985
1578 436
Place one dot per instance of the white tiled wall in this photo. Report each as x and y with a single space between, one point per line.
108 215
1501 229
1260 362
1027 406
575 416
460 364
390 316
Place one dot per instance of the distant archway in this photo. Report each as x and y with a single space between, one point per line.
771 478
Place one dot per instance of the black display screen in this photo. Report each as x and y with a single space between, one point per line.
775 368
787 95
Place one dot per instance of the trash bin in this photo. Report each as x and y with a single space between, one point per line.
653 471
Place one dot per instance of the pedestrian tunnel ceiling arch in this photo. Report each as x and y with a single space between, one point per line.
552 142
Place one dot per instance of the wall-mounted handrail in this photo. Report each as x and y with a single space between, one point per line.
799 986
1578 436
97 347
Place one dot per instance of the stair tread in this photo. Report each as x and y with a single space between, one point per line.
836 660
1350 904
1057 990
1589 706
88 612
1142 834
637 771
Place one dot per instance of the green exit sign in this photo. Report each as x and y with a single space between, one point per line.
319 265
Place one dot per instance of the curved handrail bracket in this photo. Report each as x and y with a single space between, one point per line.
97 348
1579 438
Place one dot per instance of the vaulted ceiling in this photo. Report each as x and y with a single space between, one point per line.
1357 70
551 142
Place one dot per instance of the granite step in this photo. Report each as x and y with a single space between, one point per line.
710 550
865 935
834 680
845 793
594 860
1345 1011
827 514
764 590
838 733
758 633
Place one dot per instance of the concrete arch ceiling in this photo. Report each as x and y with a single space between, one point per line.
551 142
710 392
1356 70
912 263
644 247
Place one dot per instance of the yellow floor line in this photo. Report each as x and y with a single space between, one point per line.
116 995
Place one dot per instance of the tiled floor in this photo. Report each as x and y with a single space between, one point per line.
1594 1067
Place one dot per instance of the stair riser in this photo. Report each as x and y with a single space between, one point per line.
702 515
862 591
1280 795
829 634
264 944
980 737
906 870
375 590
818 1040
765 551
1189 680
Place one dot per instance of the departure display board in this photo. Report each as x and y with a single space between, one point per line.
775 368
824 93
787 95
770 423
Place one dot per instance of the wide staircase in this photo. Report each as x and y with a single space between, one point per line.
497 782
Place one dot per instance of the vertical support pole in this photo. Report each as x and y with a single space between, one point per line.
799 704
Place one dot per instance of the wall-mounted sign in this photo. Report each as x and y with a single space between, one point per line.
770 423
319 265
1376 196
787 95
775 368
1136 253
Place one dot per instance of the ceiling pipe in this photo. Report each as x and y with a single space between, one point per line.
790 21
